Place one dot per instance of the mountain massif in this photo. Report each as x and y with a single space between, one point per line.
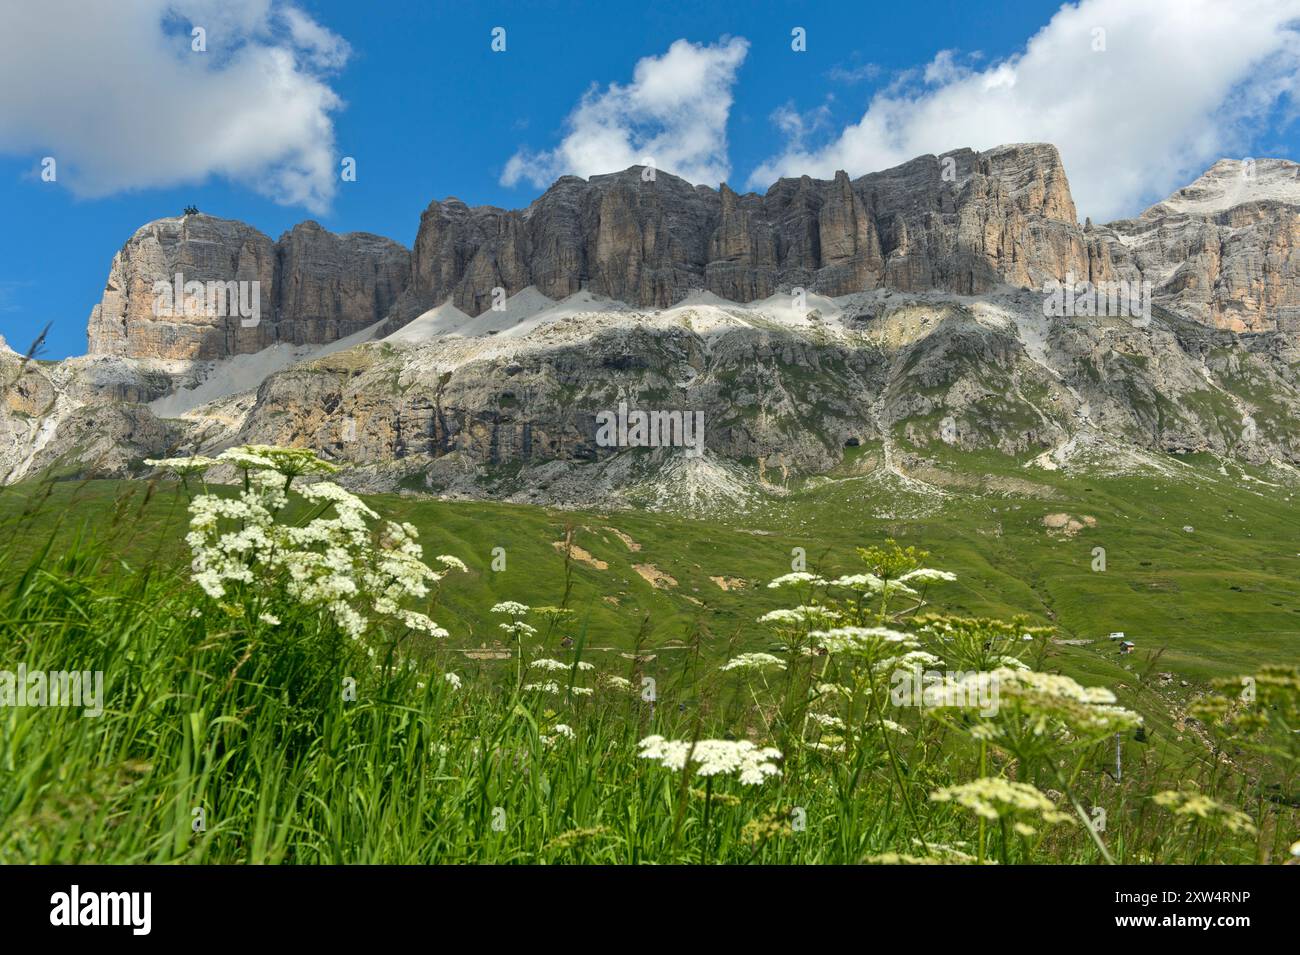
895 313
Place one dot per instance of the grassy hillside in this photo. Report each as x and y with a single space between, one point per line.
1211 599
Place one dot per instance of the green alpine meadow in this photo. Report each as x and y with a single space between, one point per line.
296 674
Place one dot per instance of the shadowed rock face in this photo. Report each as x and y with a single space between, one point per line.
312 287
514 413
329 286
974 376
963 222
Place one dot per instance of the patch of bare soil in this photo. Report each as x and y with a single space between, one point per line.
578 553
654 576
729 583
1066 525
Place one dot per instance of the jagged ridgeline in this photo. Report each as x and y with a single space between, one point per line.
901 313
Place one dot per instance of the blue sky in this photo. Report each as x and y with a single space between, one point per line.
414 92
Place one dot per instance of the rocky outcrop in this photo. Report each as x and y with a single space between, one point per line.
1224 250
105 440
310 287
131 320
962 222
890 369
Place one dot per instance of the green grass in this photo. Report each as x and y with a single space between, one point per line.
246 725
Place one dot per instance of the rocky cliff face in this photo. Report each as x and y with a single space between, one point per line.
962 222
1224 250
202 249
328 286
312 287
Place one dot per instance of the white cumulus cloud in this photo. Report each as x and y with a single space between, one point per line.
674 112
1139 95
116 94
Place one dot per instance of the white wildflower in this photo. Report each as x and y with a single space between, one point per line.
826 720
511 607
753 661
864 641
927 575
909 660
714 757
800 616
331 563
867 582
289 462
419 621
993 798
191 465
799 577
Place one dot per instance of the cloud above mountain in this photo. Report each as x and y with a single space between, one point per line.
1138 96
119 97
674 113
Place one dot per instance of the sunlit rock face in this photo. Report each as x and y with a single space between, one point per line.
1224 250
310 287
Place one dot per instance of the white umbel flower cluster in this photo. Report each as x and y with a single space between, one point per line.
337 562
714 757
182 466
994 798
516 611
550 686
798 577
800 616
753 661
863 641
927 575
